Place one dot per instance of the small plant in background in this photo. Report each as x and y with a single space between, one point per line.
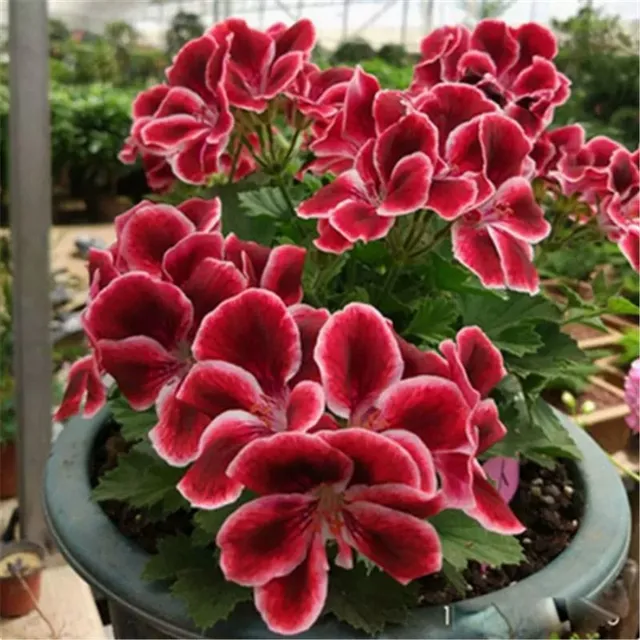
632 396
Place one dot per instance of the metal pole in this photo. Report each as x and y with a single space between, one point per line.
345 19
30 209
428 16
262 6
405 21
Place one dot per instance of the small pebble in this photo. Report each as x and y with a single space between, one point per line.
548 500
536 491
568 490
574 524
513 582
536 482
526 540
469 587
553 491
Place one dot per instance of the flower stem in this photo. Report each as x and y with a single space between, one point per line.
433 242
234 161
36 606
619 465
259 160
291 149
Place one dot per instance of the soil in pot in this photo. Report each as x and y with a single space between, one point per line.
20 578
549 502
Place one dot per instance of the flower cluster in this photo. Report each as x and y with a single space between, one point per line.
150 292
349 435
325 434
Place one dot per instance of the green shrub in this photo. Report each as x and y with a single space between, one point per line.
394 54
353 52
184 27
88 125
390 77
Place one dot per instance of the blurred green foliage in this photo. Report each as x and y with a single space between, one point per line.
184 27
601 58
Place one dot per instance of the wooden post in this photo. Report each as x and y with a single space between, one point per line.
30 211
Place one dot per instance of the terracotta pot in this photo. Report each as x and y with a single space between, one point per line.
15 599
8 470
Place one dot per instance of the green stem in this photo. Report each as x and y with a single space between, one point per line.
259 160
619 465
391 279
433 242
234 161
291 149
286 196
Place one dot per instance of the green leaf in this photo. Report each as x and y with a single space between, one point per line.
134 425
267 201
622 306
494 315
208 596
369 601
434 320
463 539
208 523
455 578
141 479
519 340
175 554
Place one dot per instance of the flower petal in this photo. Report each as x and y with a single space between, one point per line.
283 273
398 497
212 282
291 604
402 545
205 214
290 463
137 305
482 361
455 471
180 260
177 435
283 72
524 218
432 408
214 386
140 366
497 39
359 124
421 456
486 420
309 322
408 187
305 406
206 484
255 331
149 234
358 358
516 257
330 240
630 246
266 538
376 458
347 186
83 383
420 363
357 220
449 196
414 133
475 249
490 510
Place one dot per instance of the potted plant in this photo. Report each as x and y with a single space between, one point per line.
329 351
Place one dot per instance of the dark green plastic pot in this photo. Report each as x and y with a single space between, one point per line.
112 564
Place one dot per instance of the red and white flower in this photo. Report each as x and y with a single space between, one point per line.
392 176
361 365
248 351
361 489
262 65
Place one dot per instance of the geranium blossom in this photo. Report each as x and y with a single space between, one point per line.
359 488
361 367
248 350
262 64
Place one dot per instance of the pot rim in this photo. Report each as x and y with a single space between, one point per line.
113 564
